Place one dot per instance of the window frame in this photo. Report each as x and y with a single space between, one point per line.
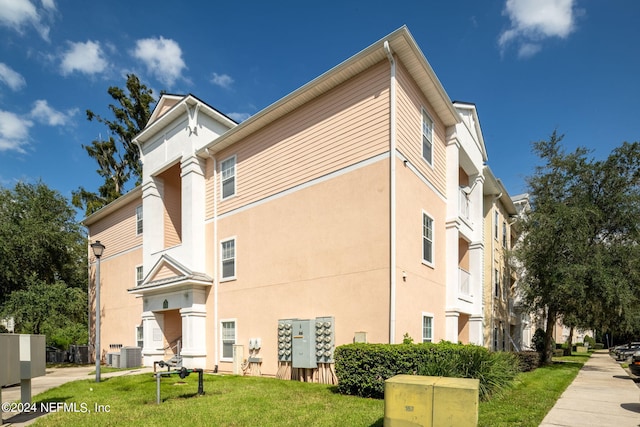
139 220
496 220
429 138
504 234
496 283
139 278
224 278
140 335
223 180
224 358
425 316
431 239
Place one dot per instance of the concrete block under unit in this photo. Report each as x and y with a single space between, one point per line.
413 400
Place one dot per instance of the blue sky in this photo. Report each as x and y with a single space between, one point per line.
530 66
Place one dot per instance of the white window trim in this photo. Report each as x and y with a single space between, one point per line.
138 220
423 113
431 263
496 226
433 327
135 332
235 338
235 259
135 274
235 176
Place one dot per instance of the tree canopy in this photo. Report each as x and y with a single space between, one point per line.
43 264
39 237
581 239
118 157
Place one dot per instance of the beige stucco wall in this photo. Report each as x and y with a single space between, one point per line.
319 251
424 289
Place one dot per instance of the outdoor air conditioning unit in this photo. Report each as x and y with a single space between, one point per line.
130 357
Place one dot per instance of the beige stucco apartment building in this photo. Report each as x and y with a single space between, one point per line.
350 210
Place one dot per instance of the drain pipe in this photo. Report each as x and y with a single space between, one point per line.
215 263
392 195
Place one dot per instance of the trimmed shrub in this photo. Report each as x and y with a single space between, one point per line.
529 360
363 368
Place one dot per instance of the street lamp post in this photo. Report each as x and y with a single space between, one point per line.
98 249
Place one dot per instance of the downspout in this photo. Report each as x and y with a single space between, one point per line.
215 262
392 195
493 268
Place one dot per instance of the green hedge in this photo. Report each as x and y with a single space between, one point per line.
529 360
363 368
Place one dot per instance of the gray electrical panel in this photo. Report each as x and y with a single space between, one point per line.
303 338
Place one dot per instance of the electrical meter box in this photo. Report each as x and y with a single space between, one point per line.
304 341
284 340
325 339
9 359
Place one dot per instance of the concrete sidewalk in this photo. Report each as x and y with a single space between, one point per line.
54 377
603 394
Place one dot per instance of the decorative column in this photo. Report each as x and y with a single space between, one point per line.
152 347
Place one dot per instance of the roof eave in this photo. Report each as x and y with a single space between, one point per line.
402 44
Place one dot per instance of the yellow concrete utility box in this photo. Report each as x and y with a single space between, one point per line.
413 400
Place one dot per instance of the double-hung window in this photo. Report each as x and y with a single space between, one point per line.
427 328
427 239
228 255
427 137
504 234
139 220
228 338
228 170
139 275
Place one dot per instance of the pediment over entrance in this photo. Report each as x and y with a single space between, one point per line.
168 274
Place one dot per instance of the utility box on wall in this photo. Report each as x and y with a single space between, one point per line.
304 334
9 359
430 401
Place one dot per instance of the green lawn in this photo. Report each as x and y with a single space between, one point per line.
244 401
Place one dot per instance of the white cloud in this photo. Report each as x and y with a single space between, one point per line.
14 132
533 21
43 113
87 58
11 78
16 14
239 117
222 80
162 57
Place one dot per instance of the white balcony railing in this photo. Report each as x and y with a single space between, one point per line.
464 282
464 205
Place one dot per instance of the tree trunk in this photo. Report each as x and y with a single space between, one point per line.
569 343
548 338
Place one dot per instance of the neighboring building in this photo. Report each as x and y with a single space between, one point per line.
503 329
349 210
